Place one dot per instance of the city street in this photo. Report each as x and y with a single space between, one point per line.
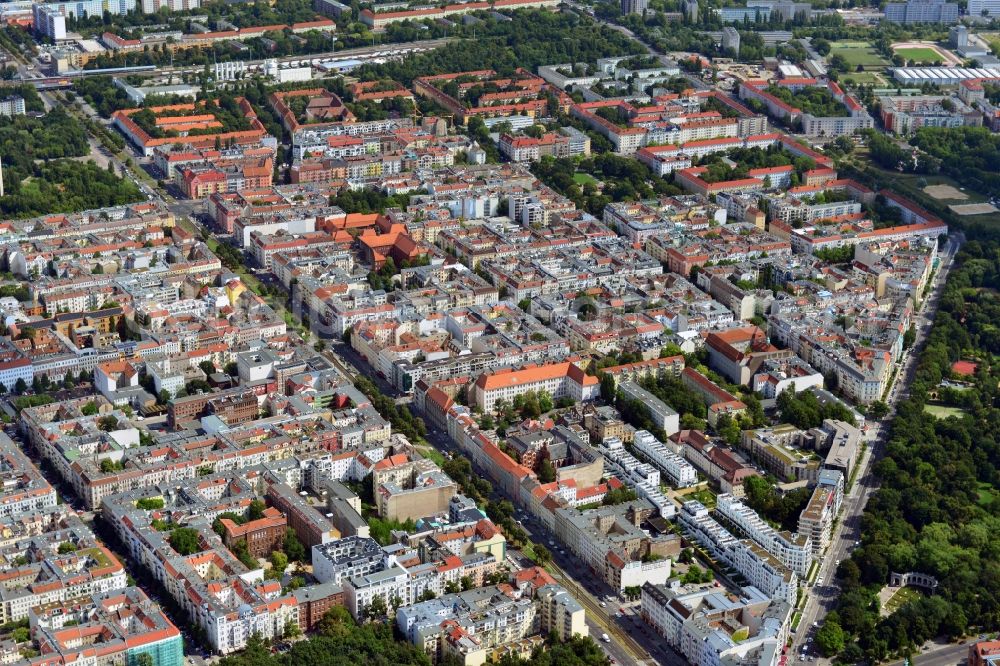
631 639
822 597
939 655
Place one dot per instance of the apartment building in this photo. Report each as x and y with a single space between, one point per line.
816 520
662 415
681 473
922 11
708 627
469 625
344 558
24 488
553 144
855 118
227 600
557 379
58 566
612 545
792 550
120 626
644 478
411 489
49 20
756 565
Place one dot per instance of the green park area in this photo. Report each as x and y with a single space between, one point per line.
865 78
858 53
943 412
901 598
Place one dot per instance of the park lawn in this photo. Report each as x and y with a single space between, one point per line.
920 55
431 453
902 597
863 79
858 53
943 412
581 178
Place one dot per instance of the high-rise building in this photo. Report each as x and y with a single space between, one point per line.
921 11
984 7
730 39
153 6
49 21
634 7
958 37
12 106
84 8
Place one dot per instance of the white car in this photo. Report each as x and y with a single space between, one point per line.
605 638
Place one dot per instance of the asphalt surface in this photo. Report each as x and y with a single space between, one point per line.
939 655
631 640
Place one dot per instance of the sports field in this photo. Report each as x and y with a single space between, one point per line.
858 53
946 192
920 55
974 209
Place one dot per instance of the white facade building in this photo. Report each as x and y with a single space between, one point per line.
681 473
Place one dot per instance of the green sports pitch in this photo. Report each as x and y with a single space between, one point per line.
918 54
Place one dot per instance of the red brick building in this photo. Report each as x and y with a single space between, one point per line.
314 602
261 536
